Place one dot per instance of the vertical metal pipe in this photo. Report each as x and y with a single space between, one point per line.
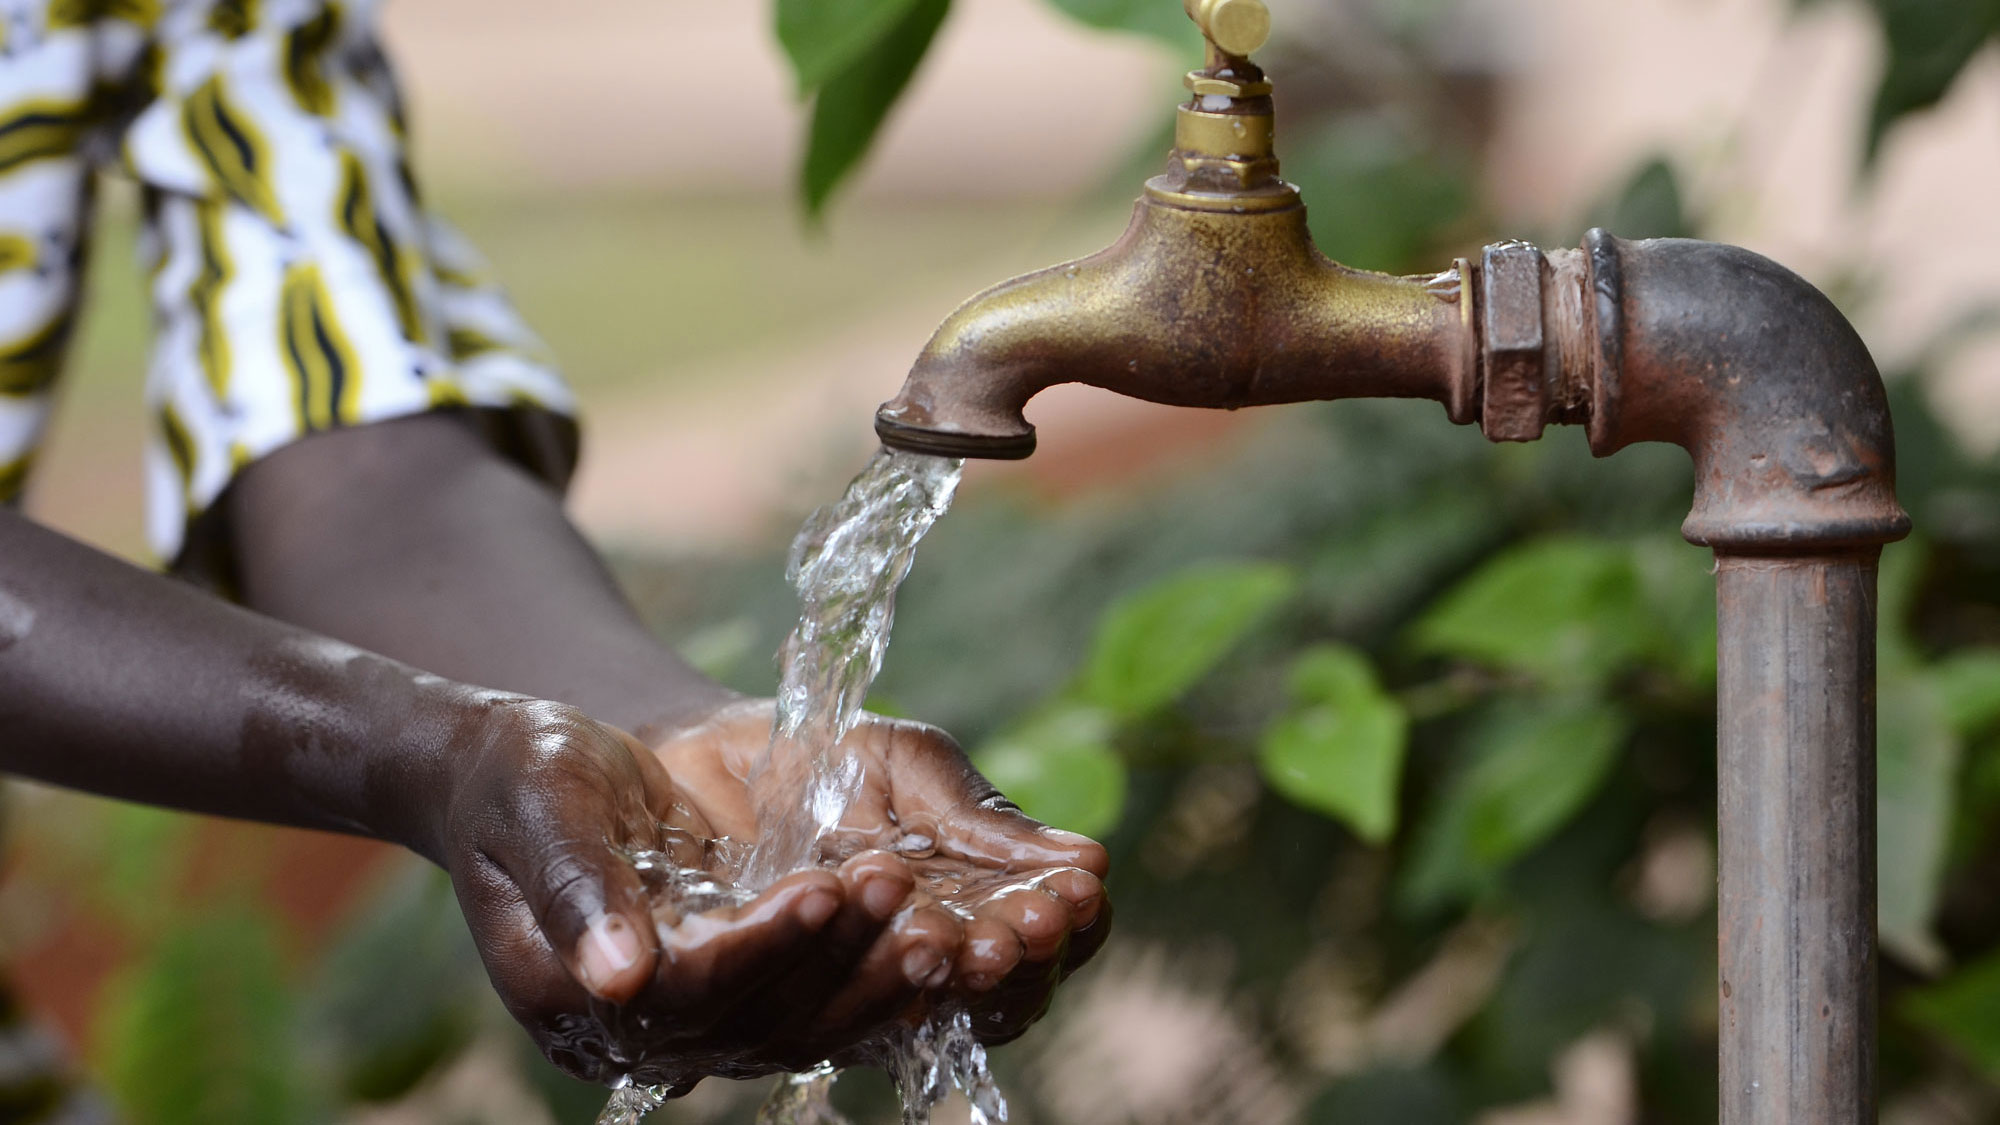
1796 767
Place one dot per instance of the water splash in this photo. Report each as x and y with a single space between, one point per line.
928 1061
803 1099
631 1102
846 564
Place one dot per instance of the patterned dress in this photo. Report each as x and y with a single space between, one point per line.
296 280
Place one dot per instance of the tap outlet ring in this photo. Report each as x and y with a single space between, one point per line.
952 443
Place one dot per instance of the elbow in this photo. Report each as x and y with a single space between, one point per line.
1763 381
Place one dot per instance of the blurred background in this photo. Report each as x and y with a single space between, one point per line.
1419 826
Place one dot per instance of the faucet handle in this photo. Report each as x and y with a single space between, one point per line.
1235 27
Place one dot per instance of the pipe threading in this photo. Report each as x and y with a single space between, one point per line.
1571 348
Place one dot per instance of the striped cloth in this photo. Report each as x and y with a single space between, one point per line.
297 282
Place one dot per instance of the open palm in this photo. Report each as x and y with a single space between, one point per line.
989 904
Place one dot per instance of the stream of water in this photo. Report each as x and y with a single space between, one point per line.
846 564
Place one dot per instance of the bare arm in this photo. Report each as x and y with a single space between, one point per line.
414 539
133 685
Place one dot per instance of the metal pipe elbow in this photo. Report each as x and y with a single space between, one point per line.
1190 307
1759 377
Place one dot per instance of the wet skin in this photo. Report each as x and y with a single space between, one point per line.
370 551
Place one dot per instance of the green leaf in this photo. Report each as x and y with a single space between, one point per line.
1649 206
852 104
139 855
1968 683
1167 21
1059 767
1677 588
1428 1094
1897 587
824 37
1339 750
1535 764
199 1032
1156 643
720 649
1380 195
1964 1009
1930 42
1917 758
400 995
1564 609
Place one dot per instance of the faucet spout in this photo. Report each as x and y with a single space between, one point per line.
1214 296
1189 308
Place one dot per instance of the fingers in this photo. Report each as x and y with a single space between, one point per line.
1082 890
991 951
1087 938
590 904
1040 918
537 989
976 822
918 954
708 960
877 890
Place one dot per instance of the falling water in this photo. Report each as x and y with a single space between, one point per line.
845 564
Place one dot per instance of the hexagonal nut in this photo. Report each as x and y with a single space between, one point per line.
1514 392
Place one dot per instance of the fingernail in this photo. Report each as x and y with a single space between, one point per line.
1083 913
921 964
609 947
1066 838
817 908
882 896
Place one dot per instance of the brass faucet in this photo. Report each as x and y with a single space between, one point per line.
1214 296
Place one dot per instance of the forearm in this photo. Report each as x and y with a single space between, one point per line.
137 686
413 539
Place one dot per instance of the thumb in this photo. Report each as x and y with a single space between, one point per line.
591 906
978 821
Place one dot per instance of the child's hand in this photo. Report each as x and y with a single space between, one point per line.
533 834
609 980
996 907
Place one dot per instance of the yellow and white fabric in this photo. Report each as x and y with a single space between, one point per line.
297 282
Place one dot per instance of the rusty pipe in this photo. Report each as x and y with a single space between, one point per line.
1780 407
1715 349
1795 753
1215 297
1759 377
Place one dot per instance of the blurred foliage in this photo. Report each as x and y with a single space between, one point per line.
853 60
199 1030
1360 706
1930 42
